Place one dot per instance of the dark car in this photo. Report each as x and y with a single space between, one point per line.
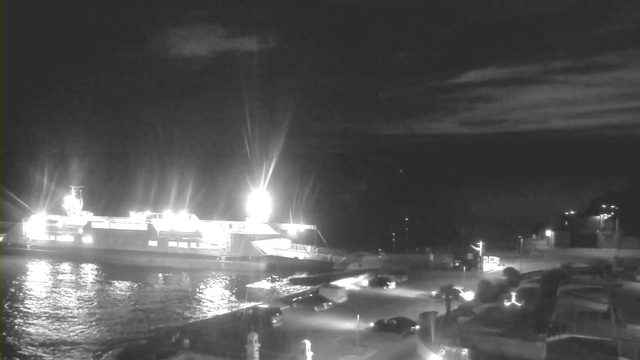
397 325
260 316
314 302
399 276
383 282
467 264
459 294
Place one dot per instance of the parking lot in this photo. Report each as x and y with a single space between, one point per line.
336 333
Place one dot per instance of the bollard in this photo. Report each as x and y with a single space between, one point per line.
305 350
253 346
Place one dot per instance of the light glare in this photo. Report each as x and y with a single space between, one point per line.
259 205
468 295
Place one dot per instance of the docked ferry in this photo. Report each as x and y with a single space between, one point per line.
167 239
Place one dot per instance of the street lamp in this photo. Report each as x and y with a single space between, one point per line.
393 238
521 251
570 224
406 229
259 205
521 245
604 216
479 249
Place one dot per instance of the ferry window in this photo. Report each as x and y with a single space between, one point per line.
173 244
204 245
194 245
153 243
184 244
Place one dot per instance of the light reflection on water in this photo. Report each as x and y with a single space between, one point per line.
56 309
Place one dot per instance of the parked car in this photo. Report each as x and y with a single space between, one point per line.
382 282
397 275
262 316
333 292
314 302
459 294
397 325
467 264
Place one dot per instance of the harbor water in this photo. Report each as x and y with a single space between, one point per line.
55 309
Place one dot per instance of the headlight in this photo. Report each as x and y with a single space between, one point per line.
434 293
372 324
365 283
469 295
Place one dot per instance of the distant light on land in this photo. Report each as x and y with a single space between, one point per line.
548 233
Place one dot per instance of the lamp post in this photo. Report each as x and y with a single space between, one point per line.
406 229
521 245
570 223
393 239
521 251
615 211
602 216
479 249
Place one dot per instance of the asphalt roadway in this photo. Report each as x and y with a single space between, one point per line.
336 334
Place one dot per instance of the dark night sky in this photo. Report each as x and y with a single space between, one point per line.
501 113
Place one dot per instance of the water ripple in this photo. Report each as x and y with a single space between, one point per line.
56 309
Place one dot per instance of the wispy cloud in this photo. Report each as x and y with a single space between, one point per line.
596 92
207 40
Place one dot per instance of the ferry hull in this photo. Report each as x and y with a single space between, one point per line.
267 264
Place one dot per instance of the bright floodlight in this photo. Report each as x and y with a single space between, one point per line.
548 233
259 205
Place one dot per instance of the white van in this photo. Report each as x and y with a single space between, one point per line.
333 292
